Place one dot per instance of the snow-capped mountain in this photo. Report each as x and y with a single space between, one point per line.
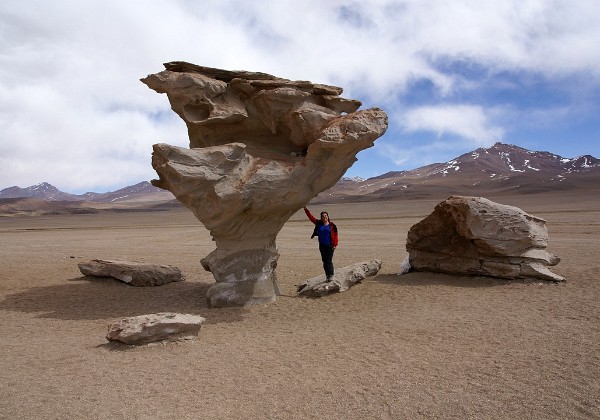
505 159
500 169
47 192
42 191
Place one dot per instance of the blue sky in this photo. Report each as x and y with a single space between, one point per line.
452 76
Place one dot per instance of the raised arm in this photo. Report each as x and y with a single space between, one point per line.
310 216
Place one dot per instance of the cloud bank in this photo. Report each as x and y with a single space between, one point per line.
452 75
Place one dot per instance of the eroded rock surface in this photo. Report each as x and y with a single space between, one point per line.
163 326
343 279
476 236
132 273
261 147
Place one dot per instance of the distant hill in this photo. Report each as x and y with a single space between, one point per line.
494 171
46 199
43 191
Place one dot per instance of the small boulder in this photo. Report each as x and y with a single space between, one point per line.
132 273
344 278
164 326
476 236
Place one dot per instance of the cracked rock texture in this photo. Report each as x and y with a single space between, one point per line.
163 326
261 147
132 273
343 279
476 236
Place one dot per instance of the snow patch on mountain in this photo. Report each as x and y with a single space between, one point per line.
527 165
353 179
506 157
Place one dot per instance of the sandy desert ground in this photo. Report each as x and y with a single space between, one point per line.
394 347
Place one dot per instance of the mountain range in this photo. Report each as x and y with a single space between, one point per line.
502 169
45 198
45 191
498 170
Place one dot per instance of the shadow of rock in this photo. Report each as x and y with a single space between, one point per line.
92 298
117 346
440 279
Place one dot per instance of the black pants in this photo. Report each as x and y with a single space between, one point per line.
327 257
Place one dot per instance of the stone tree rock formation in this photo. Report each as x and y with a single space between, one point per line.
476 236
261 147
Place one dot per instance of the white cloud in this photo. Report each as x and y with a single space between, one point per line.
466 121
396 154
419 154
73 112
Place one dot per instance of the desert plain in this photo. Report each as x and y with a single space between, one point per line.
422 345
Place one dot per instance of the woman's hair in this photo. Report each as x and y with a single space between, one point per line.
324 212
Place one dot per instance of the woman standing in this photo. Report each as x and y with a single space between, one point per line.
327 233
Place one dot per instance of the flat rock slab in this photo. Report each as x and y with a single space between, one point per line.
132 273
163 326
344 278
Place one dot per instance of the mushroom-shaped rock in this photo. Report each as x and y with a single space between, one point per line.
343 279
476 236
261 147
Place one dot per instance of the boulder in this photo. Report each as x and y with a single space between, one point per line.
261 147
132 273
343 279
476 236
164 326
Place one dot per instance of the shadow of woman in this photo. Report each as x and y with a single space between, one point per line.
93 298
